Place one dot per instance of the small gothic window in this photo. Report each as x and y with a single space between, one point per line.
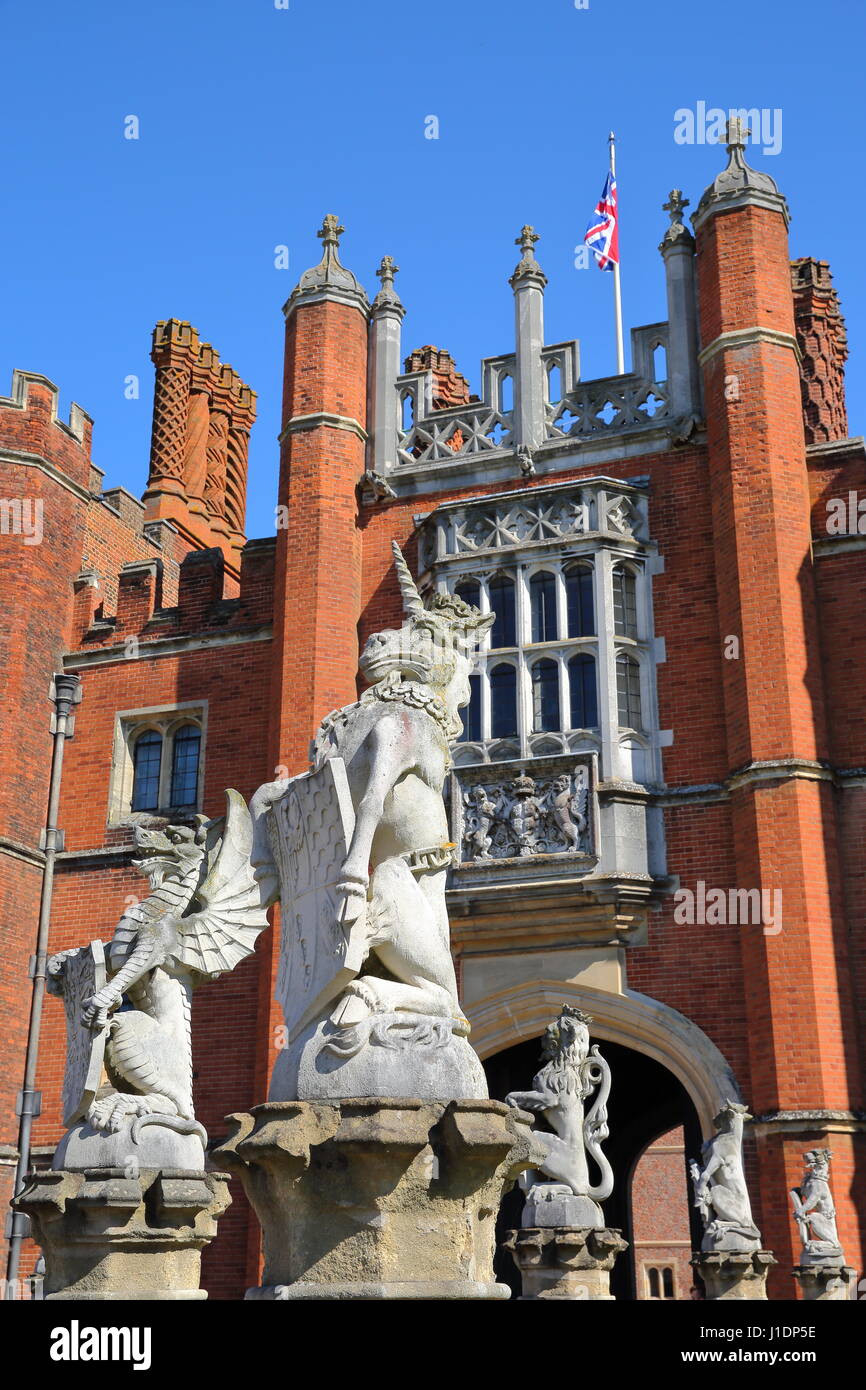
660 363
504 632
578 595
624 602
506 394
407 411
184 766
471 713
628 692
542 601
654 1282
503 701
554 383
583 692
545 696
146 759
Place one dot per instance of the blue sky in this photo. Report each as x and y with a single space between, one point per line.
255 121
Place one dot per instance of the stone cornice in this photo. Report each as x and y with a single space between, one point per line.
16 850
21 459
748 337
855 445
323 419
808 1121
164 646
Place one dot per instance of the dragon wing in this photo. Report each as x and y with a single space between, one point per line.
224 931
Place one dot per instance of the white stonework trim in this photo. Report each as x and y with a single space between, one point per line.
632 1019
163 646
19 399
25 460
323 418
824 547
16 850
166 720
748 337
855 445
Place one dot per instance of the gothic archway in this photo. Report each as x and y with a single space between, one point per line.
646 1101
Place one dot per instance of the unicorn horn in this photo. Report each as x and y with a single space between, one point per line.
412 601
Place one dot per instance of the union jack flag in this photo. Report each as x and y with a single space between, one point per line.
602 234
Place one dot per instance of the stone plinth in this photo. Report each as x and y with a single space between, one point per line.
825 1281
572 1262
378 1198
107 1235
734 1274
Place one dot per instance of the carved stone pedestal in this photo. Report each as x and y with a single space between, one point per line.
734 1274
571 1262
106 1235
378 1198
827 1281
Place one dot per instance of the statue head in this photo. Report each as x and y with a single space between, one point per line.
434 645
817 1162
567 1036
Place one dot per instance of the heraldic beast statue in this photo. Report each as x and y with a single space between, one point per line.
357 851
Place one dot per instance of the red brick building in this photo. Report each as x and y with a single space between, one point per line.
675 562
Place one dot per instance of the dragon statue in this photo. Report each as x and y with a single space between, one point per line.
572 1072
129 1062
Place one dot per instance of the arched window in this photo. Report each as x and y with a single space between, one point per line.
471 713
624 602
554 383
506 394
470 592
504 631
667 1282
654 1282
503 701
146 759
578 597
628 692
407 410
184 766
542 601
545 696
583 692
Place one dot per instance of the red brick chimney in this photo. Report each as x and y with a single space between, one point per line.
823 343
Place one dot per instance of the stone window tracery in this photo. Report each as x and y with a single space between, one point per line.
158 761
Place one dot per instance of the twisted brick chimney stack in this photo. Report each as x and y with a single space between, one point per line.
202 417
823 342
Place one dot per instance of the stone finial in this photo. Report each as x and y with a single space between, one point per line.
388 298
330 231
329 279
738 184
527 269
677 233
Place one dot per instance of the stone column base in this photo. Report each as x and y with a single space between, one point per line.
565 1261
108 1236
734 1274
378 1198
826 1282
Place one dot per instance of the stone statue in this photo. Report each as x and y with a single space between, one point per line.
721 1195
568 812
572 1073
357 850
480 819
128 1084
814 1212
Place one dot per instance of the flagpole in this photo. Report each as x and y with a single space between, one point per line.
617 295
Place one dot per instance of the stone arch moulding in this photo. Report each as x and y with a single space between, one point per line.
635 1020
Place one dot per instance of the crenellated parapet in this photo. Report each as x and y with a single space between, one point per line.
202 416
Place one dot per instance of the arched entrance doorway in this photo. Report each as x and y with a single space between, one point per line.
646 1102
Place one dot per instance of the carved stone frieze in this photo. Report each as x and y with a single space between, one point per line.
512 815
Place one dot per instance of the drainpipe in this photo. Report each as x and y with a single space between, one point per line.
65 692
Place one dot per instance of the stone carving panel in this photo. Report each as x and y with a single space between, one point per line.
521 817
